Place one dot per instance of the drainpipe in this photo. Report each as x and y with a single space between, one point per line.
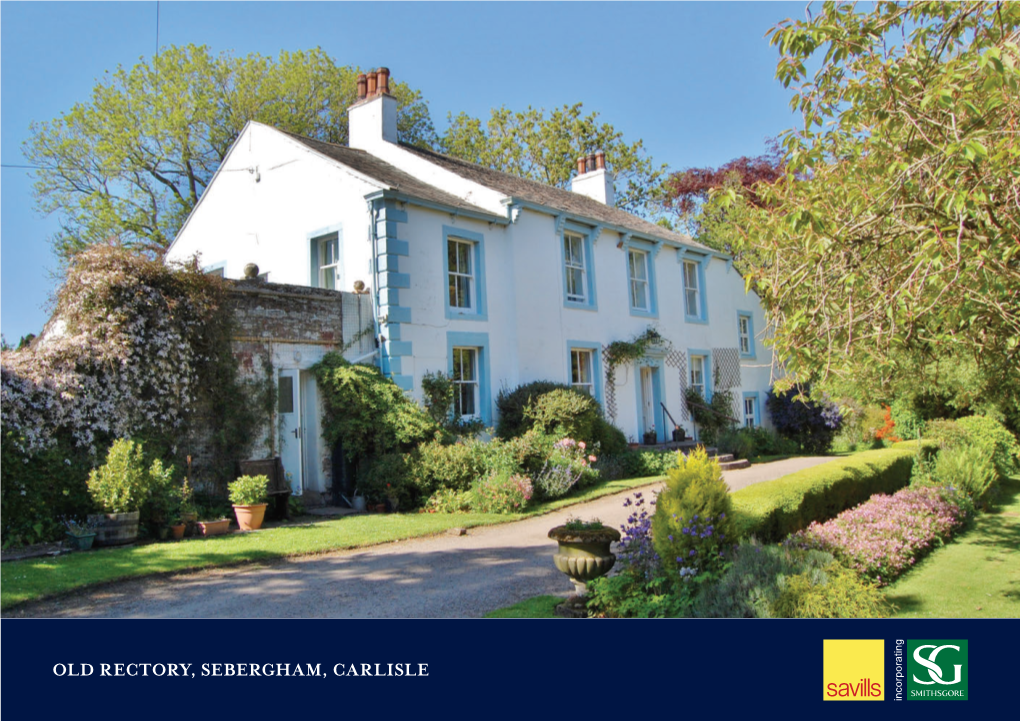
373 236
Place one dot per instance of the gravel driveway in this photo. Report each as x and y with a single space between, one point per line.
435 577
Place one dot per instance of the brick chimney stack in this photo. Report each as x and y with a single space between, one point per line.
373 117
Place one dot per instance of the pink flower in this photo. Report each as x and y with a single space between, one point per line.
582 445
592 458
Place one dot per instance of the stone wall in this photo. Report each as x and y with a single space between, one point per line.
278 326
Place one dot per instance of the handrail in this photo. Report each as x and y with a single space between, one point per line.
671 418
712 410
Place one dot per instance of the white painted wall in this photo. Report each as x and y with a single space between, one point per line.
298 192
242 220
529 327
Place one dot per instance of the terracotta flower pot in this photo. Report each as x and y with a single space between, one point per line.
214 528
178 531
249 518
584 555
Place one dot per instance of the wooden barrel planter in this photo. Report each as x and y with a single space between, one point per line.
116 529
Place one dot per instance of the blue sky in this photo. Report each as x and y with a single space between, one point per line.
695 81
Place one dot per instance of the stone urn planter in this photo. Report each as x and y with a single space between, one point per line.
584 554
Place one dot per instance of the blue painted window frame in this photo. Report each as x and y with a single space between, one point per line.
314 239
596 364
700 262
591 299
649 250
480 342
750 334
691 353
480 311
757 409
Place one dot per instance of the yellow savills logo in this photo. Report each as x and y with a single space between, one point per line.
853 670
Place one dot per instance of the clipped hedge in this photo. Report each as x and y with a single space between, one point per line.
774 509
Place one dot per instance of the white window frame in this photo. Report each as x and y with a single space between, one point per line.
639 283
460 382
744 330
329 270
582 362
698 363
750 415
692 288
457 275
575 267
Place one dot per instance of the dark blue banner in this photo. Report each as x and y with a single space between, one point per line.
500 669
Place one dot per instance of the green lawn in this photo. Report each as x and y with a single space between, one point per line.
22 581
976 576
534 607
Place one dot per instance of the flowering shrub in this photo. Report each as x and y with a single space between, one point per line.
882 538
812 424
502 493
447 500
568 465
640 588
692 525
121 356
885 433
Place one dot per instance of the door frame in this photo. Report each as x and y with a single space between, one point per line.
296 472
657 369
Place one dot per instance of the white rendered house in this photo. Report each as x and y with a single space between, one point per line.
496 279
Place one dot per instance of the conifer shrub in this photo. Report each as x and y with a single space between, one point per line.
754 580
968 469
692 526
997 442
832 592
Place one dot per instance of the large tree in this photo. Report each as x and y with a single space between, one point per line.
892 245
131 162
545 146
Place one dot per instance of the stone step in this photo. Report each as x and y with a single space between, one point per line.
724 457
734 465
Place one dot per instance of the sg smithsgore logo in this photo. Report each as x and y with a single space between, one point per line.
937 670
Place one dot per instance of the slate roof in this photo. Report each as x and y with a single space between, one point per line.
509 185
548 196
386 174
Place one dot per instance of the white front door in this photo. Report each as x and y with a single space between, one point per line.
647 401
289 408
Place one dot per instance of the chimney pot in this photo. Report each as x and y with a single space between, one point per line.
383 81
371 84
591 162
362 86
580 165
600 160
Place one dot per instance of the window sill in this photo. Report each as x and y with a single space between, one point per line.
454 314
696 319
644 313
577 305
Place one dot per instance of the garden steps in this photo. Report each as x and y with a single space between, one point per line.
726 460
